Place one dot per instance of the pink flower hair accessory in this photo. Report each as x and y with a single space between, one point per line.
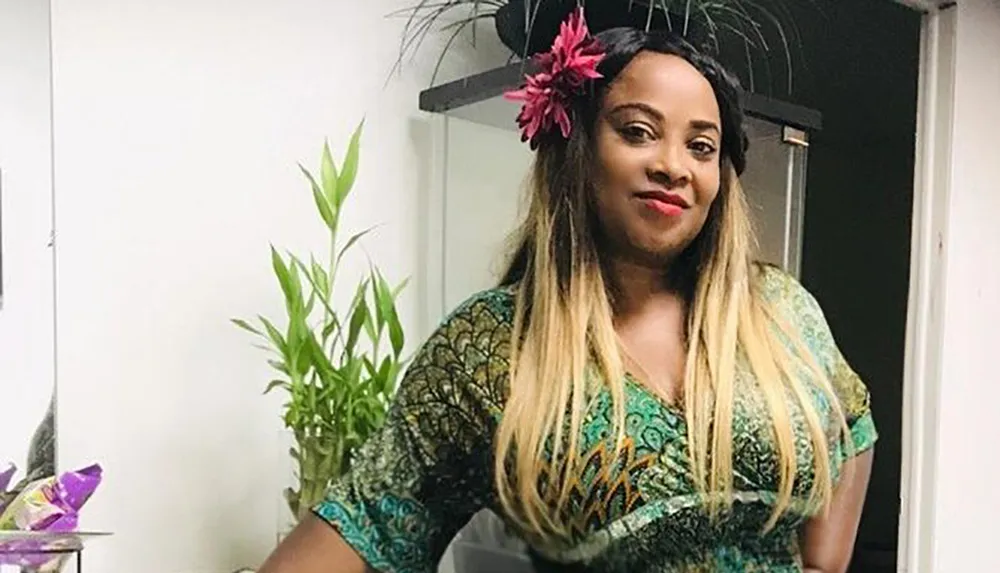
565 69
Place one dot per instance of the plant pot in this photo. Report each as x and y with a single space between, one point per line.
512 30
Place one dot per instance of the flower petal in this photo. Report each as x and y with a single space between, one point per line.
572 60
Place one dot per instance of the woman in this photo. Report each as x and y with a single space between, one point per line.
637 395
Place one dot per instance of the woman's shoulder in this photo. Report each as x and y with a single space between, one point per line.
777 285
479 318
799 307
498 302
785 293
796 306
476 332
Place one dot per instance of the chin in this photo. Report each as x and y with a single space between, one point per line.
660 251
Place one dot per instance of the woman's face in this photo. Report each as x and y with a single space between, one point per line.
658 139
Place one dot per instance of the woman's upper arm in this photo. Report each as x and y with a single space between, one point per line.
420 478
314 547
828 540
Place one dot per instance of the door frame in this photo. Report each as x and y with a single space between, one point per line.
925 315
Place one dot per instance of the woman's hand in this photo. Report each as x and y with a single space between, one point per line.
828 541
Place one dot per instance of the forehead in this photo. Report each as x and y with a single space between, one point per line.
667 83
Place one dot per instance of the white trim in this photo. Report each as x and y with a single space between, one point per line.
922 369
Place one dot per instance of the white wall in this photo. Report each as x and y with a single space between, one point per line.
26 318
483 204
178 126
968 470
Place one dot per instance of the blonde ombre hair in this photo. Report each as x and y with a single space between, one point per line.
565 349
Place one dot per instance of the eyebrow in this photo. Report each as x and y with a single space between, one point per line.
699 124
705 125
637 106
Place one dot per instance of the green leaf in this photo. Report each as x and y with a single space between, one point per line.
275 335
384 368
396 337
264 347
279 366
246 326
353 377
349 380
320 279
294 295
350 167
390 383
330 327
360 291
384 300
332 389
281 271
326 209
312 282
359 314
311 398
302 351
310 303
373 333
370 367
362 388
350 242
377 284
328 173
276 384
320 361
358 318
333 324
399 288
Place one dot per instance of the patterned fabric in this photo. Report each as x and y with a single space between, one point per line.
421 478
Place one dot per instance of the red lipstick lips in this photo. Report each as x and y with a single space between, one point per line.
664 202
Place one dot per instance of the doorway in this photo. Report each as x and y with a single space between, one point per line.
863 62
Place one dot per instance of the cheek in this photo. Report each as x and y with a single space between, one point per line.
617 164
707 183
608 169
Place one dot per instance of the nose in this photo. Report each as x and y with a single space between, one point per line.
670 165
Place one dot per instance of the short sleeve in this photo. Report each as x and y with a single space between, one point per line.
856 403
806 313
420 478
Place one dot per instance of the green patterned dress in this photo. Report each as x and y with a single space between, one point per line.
421 478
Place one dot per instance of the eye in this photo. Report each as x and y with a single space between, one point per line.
636 133
702 147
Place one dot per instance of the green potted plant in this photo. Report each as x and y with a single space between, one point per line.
338 366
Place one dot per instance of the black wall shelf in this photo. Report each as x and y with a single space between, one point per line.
484 86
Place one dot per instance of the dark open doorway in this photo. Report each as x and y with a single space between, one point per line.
860 69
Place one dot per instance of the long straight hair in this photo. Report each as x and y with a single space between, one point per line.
564 339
